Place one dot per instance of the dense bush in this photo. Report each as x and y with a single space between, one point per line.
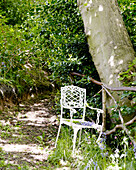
15 10
43 35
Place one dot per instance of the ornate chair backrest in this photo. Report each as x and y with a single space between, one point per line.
73 97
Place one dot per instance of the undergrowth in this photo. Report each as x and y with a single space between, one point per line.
89 155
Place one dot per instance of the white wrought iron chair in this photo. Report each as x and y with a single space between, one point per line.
72 99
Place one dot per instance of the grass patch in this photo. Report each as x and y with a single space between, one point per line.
90 155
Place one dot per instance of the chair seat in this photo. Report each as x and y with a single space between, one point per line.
78 123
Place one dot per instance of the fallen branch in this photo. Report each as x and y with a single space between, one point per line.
90 78
120 126
101 83
120 88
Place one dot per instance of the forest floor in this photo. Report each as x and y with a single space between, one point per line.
27 136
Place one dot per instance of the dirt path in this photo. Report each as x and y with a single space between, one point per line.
27 137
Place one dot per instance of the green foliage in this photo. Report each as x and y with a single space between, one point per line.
128 76
19 67
57 30
128 12
42 35
15 10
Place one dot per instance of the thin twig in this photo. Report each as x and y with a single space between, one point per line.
97 93
121 118
122 126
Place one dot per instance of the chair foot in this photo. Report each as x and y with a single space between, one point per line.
99 136
79 137
75 136
57 135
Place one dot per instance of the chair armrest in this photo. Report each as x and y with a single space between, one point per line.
98 110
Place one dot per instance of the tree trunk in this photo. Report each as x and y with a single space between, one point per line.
108 40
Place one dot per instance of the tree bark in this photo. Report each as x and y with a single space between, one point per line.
108 40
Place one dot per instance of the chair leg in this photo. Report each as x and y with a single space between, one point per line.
99 135
57 135
74 139
80 136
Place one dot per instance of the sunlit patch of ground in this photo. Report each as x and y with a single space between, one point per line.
35 151
27 137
